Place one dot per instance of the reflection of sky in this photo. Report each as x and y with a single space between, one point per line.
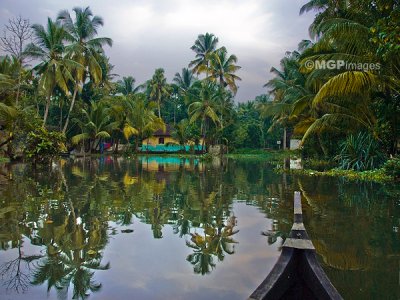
146 268
157 268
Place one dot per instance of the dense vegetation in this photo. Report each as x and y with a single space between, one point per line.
338 92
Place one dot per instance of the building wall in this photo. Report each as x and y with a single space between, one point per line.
153 141
294 144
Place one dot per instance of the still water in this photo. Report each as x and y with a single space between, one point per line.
171 228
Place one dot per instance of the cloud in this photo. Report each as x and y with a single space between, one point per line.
149 34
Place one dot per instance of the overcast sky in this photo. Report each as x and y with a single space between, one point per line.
149 34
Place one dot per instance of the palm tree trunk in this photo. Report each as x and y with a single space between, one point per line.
203 131
137 144
284 138
159 107
174 113
61 116
116 146
70 108
46 111
18 88
90 146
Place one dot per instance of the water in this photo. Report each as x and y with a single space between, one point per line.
171 228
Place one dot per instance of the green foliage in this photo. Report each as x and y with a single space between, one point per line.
318 164
42 145
4 160
392 167
360 153
377 175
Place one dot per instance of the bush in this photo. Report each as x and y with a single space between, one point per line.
360 153
42 145
392 167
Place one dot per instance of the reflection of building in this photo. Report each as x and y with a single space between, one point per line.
162 141
170 164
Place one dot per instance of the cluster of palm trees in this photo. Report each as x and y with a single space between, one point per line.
323 105
72 88
69 53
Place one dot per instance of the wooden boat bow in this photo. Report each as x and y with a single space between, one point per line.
297 274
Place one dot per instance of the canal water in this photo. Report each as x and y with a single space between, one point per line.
172 228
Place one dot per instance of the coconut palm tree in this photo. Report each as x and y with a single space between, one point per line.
143 119
221 69
10 79
84 48
204 109
344 97
286 88
54 69
184 80
121 110
181 132
159 89
204 45
126 86
94 124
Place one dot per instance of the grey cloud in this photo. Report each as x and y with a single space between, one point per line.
147 42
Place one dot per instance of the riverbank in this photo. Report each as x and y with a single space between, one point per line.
281 160
313 167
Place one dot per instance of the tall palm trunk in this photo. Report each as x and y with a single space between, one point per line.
137 144
284 138
46 111
18 88
159 107
70 108
203 132
61 115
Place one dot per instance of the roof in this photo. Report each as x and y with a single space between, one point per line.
161 133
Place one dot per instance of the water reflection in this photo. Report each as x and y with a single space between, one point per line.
57 224
215 241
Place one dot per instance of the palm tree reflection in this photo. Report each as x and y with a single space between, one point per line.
215 242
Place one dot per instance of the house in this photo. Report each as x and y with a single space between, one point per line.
163 142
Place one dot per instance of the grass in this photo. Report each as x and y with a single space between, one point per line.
377 175
271 156
4 160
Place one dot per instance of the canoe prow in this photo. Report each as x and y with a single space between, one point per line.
297 274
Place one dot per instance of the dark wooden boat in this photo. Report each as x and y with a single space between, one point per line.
297 273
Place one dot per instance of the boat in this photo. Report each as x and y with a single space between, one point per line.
297 274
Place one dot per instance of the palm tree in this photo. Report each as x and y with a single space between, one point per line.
203 47
143 119
10 79
53 68
126 86
95 125
286 88
181 132
327 9
204 109
159 89
121 110
84 48
184 80
345 98
221 69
